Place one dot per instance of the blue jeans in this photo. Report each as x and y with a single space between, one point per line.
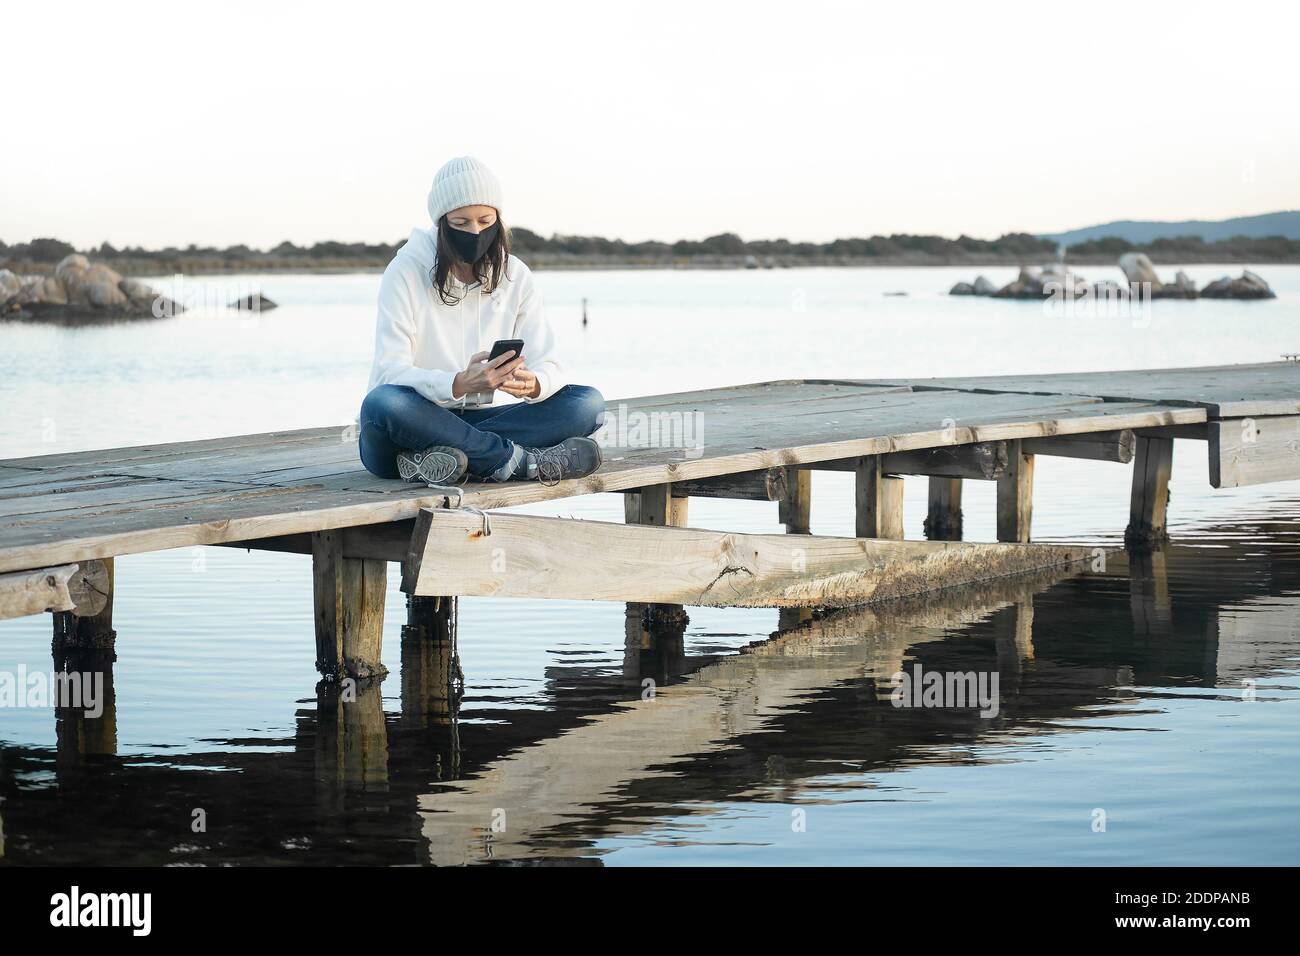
396 418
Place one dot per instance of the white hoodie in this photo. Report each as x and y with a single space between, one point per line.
422 342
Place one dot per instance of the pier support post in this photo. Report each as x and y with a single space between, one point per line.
654 643
79 734
656 628
943 516
1013 629
432 681
90 626
1149 600
878 500
351 742
1016 495
1152 463
431 674
656 505
795 509
349 604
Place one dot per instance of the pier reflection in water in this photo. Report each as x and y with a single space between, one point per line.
789 751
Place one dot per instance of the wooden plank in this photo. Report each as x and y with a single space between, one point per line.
985 461
136 494
1016 495
1195 432
1267 388
380 542
878 500
1101 446
943 519
101 458
348 596
1152 465
23 482
1254 451
35 592
778 390
603 561
769 484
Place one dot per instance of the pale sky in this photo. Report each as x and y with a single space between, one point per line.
168 123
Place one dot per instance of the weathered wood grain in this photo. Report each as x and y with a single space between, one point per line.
253 503
766 485
878 500
1267 388
37 591
349 610
1015 501
1253 451
1149 502
535 557
943 519
1115 446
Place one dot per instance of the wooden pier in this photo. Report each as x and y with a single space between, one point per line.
64 517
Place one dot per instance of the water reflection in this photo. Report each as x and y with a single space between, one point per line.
653 753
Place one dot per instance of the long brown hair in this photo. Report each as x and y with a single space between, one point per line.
487 270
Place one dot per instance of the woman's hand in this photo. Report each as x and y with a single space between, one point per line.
483 376
525 384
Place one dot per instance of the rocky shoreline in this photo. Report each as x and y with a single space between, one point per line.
82 292
1057 280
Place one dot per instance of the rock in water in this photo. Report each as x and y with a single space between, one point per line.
1138 268
254 303
10 285
80 291
1248 286
962 288
983 286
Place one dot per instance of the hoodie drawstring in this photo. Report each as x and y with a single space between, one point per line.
478 330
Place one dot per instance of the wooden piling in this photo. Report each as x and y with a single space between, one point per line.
795 509
78 734
1013 631
349 603
92 591
432 682
943 515
1152 464
1149 600
878 500
656 505
351 741
1016 495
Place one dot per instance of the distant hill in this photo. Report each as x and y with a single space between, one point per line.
1140 232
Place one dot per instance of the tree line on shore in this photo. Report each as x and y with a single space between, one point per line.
1010 248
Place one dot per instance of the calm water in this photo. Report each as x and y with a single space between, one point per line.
1121 691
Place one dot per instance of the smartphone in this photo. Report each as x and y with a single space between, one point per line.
499 348
502 346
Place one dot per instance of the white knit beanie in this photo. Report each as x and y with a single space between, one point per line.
463 181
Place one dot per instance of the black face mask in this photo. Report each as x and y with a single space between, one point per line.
469 246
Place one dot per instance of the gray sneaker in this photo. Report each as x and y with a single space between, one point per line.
571 458
435 465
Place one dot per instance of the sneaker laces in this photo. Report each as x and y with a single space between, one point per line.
551 463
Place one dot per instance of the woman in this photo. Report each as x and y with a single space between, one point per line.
446 297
